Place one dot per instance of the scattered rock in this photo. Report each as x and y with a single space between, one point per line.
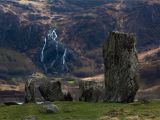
30 118
49 107
51 90
121 67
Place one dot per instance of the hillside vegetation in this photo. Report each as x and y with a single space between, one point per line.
14 63
81 25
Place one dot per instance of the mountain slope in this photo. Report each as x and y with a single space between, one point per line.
81 26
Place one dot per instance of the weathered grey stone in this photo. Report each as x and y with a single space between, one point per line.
48 107
51 90
91 91
121 67
30 91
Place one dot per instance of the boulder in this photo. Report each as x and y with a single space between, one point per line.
30 91
48 107
51 90
121 67
91 91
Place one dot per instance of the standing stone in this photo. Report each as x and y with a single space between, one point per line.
51 90
121 67
92 91
30 91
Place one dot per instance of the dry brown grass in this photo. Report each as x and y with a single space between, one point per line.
94 78
19 87
142 55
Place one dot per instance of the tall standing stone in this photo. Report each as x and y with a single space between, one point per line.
121 67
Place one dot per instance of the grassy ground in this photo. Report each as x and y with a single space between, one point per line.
86 111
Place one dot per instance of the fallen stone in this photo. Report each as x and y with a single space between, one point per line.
49 107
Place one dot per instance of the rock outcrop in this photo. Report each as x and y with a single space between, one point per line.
51 90
121 67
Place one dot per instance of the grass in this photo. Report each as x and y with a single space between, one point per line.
84 111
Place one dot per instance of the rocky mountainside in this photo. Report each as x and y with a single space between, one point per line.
69 34
150 67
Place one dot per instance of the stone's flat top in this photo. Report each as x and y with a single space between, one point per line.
122 37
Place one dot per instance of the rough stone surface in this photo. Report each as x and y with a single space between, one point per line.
30 91
48 107
121 67
51 90
91 91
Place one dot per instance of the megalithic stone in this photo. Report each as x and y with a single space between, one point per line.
121 67
30 91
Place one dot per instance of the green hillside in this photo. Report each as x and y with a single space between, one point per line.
86 111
